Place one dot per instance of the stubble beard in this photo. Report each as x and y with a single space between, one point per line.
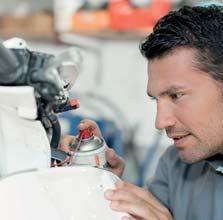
202 151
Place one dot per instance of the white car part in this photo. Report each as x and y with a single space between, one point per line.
67 193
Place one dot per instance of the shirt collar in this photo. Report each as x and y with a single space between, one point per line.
216 162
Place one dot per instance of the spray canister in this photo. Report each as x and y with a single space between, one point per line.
89 150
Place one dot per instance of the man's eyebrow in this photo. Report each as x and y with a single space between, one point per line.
166 92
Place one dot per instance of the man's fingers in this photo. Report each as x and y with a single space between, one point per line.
64 147
65 143
115 195
128 218
140 192
129 203
112 157
92 125
140 210
115 162
133 209
125 200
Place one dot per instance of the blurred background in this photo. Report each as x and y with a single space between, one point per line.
111 87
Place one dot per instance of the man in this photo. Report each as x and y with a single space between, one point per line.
185 78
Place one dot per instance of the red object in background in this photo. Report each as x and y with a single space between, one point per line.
90 20
124 17
74 103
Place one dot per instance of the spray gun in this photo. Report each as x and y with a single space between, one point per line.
51 77
47 79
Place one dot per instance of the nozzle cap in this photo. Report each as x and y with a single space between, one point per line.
85 134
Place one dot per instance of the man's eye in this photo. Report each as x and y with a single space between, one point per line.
176 96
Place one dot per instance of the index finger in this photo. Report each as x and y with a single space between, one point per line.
140 192
90 124
65 143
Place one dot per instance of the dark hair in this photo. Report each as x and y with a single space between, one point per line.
200 28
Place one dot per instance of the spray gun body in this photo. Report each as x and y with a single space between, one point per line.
33 88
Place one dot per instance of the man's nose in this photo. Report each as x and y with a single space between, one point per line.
164 117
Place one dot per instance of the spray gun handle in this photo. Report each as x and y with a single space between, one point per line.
8 60
9 66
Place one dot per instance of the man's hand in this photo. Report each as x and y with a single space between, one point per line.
138 203
115 163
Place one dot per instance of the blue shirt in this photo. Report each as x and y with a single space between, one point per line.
189 191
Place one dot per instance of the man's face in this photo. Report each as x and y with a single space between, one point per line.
189 105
